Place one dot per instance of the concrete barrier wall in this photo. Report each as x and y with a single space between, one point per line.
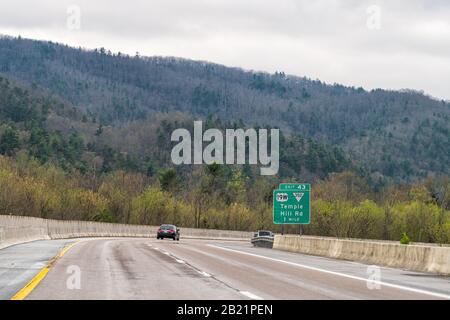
58 229
415 257
215 234
18 229
21 229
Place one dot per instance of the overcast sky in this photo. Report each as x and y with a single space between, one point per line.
392 44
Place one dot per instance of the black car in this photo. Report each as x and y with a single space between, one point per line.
168 231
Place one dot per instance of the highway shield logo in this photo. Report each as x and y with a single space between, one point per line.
298 195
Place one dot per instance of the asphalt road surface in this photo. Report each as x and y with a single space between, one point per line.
200 269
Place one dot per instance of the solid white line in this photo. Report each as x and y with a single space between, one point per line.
180 261
396 286
250 295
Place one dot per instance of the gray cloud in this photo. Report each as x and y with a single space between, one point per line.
325 39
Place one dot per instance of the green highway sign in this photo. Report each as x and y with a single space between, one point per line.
291 204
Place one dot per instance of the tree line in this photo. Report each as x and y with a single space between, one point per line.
223 197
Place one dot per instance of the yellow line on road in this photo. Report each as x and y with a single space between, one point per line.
25 291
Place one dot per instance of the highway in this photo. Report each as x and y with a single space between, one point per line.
137 268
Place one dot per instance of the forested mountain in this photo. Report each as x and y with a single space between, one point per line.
86 135
389 135
54 131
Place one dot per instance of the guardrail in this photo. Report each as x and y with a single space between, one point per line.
424 258
18 229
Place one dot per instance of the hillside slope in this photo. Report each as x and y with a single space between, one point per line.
399 136
52 130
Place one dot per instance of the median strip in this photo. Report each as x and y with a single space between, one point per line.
25 291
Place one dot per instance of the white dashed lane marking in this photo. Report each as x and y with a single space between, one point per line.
203 273
250 295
